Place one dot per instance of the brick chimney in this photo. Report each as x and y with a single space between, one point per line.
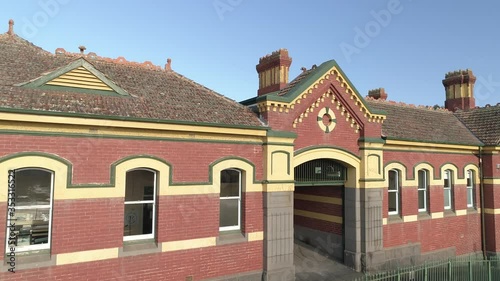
459 86
273 71
378 94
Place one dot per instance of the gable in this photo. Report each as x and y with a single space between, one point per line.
303 95
78 76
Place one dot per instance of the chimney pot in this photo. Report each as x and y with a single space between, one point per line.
82 49
168 66
11 27
459 86
378 94
273 70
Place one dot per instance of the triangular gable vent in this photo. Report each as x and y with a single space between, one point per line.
78 76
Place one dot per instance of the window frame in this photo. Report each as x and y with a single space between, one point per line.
240 187
50 207
448 188
397 191
470 188
425 189
151 235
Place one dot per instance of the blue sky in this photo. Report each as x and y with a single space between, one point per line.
405 46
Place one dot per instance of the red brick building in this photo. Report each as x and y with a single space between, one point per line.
128 171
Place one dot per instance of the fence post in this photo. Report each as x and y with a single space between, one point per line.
449 270
489 270
426 272
470 270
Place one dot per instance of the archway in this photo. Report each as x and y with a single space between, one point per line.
325 179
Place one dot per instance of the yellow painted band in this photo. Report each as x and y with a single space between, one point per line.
102 124
279 187
492 181
321 199
255 236
188 244
318 216
396 144
461 212
410 218
492 211
86 256
437 215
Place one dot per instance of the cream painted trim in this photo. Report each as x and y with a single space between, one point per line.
278 187
402 174
454 170
255 236
188 244
354 164
59 168
461 212
492 181
246 168
321 199
492 211
432 179
317 216
476 173
106 123
429 147
437 215
86 256
384 221
410 218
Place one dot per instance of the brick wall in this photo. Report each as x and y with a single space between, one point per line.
87 224
92 157
460 231
171 266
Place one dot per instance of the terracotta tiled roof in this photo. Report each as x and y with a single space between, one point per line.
154 93
424 124
295 82
484 122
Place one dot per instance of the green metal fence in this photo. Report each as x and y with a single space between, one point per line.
450 270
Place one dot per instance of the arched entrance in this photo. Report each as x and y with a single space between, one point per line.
318 205
325 183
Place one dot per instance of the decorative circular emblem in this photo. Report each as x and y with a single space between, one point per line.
326 120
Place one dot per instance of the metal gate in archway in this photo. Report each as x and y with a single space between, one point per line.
319 205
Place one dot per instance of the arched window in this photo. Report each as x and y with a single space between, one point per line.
29 220
423 189
470 188
140 205
394 192
447 189
230 200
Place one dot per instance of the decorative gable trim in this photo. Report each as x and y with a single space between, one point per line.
79 76
318 76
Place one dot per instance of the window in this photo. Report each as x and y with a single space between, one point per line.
394 192
33 209
447 186
230 200
422 190
470 188
140 205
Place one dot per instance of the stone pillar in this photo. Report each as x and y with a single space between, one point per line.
278 189
371 194
278 236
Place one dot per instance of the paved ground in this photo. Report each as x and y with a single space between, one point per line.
312 265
